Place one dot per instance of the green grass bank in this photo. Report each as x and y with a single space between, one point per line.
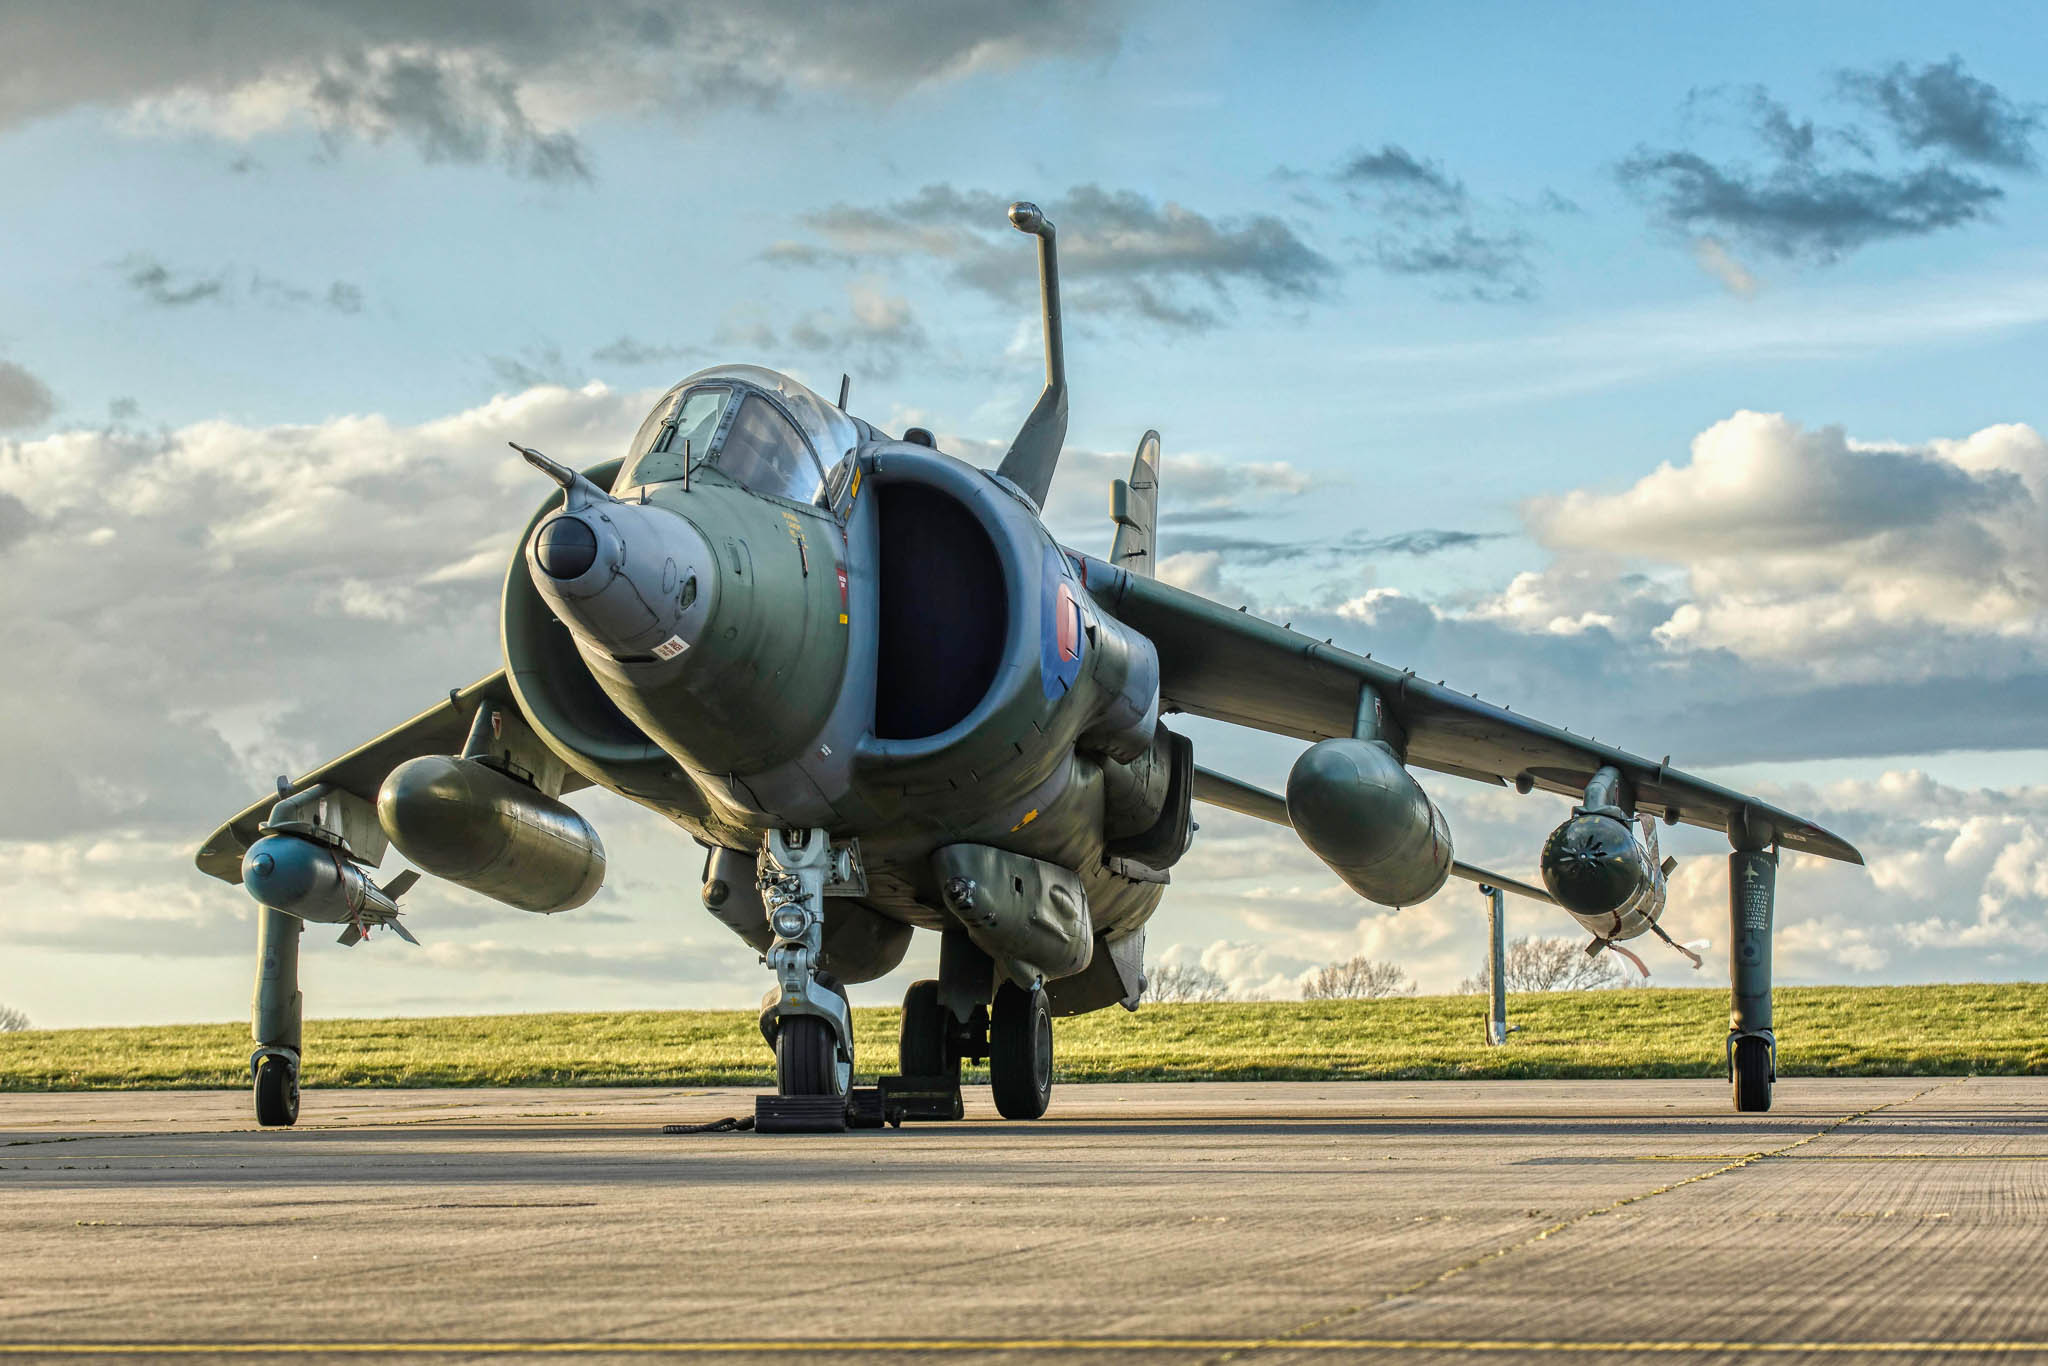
1825 1031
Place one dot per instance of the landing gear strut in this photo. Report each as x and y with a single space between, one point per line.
1752 888
275 1018
805 1016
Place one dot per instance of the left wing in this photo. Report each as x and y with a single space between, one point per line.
1233 667
440 729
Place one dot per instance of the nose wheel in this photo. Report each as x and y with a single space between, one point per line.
807 1060
1020 1052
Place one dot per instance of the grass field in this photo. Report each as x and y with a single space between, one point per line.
1837 1031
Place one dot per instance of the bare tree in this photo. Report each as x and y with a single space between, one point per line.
1170 982
1357 979
12 1021
1549 965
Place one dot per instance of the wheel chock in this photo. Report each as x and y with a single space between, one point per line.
800 1114
865 1109
920 1098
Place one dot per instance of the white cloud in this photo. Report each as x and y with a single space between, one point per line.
1805 547
508 82
333 578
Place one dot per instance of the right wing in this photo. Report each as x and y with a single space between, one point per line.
1233 667
440 729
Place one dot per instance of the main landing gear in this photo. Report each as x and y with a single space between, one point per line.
952 1020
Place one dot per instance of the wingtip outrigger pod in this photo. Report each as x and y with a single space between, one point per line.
1035 454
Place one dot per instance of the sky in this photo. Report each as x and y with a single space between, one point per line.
1669 373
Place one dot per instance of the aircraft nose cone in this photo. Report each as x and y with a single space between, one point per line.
565 548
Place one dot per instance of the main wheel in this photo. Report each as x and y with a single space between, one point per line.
277 1093
924 1046
807 1061
1752 1075
1020 1052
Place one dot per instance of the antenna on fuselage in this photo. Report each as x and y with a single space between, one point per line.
1035 454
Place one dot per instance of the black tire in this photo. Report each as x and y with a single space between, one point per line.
807 1058
1752 1075
277 1094
924 1045
1020 1052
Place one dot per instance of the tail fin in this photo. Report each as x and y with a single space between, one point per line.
1035 454
1134 507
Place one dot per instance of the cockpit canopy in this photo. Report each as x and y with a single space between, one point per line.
760 429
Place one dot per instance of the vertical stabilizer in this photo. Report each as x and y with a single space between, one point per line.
1035 454
1134 507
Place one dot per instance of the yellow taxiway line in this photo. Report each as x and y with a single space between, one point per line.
954 1346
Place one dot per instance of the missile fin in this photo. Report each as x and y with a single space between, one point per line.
401 884
403 933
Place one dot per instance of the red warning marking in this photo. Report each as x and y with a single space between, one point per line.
1070 625
842 586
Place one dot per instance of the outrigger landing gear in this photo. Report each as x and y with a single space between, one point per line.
275 1018
805 1016
1752 888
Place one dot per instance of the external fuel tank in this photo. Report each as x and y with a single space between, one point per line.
1357 809
466 822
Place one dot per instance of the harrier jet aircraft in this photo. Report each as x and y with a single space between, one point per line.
863 676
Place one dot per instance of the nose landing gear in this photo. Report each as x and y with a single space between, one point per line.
804 1016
